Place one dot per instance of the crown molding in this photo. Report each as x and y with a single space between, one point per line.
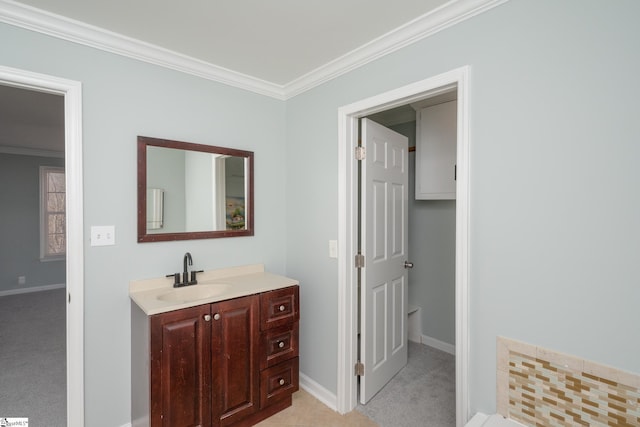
445 16
44 22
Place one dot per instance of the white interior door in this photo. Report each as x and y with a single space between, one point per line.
384 184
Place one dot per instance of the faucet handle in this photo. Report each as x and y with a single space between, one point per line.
193 280
176 278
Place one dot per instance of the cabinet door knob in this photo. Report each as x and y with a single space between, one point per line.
282 307
281 344
207 317
281 381
216 316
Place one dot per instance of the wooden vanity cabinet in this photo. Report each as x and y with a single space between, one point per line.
227 364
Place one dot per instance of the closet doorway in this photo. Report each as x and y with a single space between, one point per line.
72 298
348 345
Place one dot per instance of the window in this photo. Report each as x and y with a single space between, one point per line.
53 243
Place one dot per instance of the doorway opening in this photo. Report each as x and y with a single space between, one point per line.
348 116
74 263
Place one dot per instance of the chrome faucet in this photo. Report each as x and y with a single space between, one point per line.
186 278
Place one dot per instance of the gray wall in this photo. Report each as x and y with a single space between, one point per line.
124 98
554 229
554 200
20 224
432 249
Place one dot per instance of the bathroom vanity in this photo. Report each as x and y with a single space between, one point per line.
223 352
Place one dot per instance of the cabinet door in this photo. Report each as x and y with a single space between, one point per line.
235 359
180 368
436 152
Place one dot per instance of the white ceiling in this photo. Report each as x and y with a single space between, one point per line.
277 40
31 120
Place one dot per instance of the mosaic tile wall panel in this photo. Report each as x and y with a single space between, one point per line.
540 387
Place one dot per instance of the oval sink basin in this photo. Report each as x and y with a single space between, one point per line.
194 292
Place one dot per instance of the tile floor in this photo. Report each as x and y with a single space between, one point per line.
307 411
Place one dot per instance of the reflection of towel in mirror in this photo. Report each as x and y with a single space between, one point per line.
155 205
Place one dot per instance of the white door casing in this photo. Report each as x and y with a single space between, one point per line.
348 115
384 289
72 92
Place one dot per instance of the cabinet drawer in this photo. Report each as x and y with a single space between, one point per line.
278 345
279 308
278 382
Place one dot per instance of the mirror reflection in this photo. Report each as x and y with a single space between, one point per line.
192 191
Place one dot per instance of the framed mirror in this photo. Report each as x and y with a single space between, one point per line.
193 191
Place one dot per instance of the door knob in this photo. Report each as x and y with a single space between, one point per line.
216 316
207 317
408 264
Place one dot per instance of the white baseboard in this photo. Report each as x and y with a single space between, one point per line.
309 385
440 345
319 392
140 422
31 289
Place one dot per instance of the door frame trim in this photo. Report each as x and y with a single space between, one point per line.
348 115
72 92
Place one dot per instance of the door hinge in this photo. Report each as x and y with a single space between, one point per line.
359 261
359 369
360 153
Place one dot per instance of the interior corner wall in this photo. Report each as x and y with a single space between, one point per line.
554 200
20 224
121 99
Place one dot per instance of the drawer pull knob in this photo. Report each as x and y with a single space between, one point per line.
281 344
216 316
207 317
282 307
281 381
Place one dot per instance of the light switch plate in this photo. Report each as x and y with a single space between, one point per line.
333 249
103 235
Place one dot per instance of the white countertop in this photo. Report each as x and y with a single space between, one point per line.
240 281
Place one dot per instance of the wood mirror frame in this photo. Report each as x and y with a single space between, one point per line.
145 236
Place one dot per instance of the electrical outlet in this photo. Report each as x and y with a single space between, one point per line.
103 235
22 280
